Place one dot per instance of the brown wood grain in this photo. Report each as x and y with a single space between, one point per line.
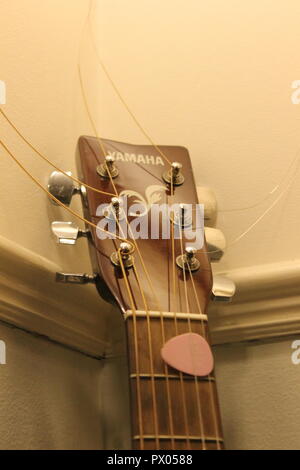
201 424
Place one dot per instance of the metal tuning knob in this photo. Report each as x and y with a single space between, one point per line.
127 258
66 233
174 174
216 243
63 188
188 260
108 169
115 210
75 278
182 216
223 289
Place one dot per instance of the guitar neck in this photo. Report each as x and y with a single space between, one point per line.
169 409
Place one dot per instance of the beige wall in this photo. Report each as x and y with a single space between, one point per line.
259 390
212 76
48 396
55 398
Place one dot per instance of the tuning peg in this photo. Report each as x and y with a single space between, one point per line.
216 243
127 258
223 289
115 209
63 188
66 233
174 174
75 278
188 260
108 168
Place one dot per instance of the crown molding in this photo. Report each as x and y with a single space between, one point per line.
267 304
30 299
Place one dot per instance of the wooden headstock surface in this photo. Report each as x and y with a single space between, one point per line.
154 262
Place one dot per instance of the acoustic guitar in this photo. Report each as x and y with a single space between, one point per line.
161 284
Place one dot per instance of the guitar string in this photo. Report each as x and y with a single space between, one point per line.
147 135
296 159
200 416
151 355
170 413
93 225
162 324
136 354
153 386
57 201
134 241
121 263
171 424
190 330
47 159
175 301
206 336
229 245
111 180
152 380
118 93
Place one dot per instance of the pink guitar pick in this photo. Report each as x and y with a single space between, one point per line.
189 353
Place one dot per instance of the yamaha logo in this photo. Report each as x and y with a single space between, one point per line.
134 158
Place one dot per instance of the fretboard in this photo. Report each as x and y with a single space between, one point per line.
169 409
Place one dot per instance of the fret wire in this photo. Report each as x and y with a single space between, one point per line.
170 376
180 437
157 314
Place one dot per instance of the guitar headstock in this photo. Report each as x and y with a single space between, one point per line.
140 174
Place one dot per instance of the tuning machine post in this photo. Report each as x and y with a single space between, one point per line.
67 233
126 255
62 187
223 289
188 260
75 278
107 169
115 210
174 175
